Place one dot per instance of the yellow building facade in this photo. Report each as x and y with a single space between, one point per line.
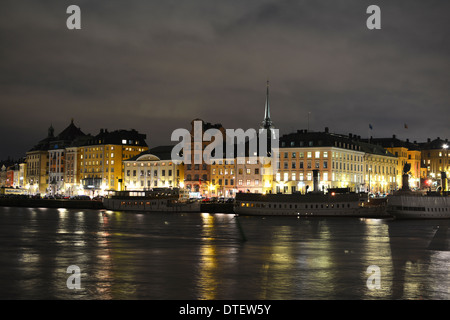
153 169
101 160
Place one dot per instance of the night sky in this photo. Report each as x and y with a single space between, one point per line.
156 65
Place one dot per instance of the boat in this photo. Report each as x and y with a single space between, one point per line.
155 200
408 204
338 202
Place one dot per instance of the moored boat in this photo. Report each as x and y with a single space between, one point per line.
320 205
407 204
336 203
155 200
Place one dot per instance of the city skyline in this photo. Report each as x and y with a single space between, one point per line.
154 67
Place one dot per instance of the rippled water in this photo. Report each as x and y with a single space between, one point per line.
124 255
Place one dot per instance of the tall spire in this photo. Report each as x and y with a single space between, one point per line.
267 123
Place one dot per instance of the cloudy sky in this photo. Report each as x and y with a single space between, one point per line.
156 65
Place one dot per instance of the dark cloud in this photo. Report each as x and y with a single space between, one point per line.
156 65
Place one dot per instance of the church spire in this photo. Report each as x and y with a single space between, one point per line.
267 123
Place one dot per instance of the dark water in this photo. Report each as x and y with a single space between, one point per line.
203 256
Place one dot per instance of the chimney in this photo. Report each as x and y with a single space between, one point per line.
394 136
326 129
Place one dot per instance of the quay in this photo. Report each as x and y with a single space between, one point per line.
50 203
92 204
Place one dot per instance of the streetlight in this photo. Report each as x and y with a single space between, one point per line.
444 172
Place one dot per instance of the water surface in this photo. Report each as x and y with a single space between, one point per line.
125 255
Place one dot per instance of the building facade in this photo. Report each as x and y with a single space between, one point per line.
435 159
153 169
406 152
101 157
57 158
37 165
342 162
197 178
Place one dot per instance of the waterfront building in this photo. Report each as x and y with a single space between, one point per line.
381 174
9 182
101 159
15 175
338 158
249 174
435 158
406 152
197 173
72 183
342 162
37 165
57 158
223 178
153 168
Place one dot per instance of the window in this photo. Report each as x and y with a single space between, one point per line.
317 155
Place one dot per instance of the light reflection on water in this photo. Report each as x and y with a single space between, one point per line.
203 256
